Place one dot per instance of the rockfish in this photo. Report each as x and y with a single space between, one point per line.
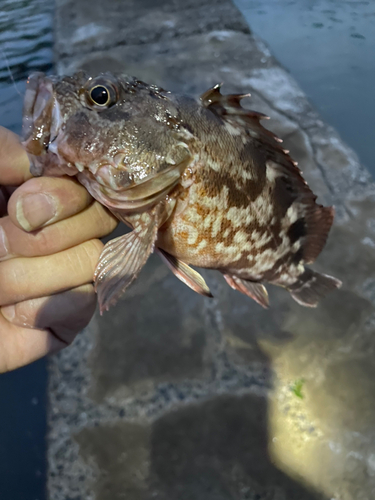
199 180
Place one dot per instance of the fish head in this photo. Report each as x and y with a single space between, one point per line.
115 133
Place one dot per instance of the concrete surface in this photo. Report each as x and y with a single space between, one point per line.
172 396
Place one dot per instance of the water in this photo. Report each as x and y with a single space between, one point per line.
328 46
25 46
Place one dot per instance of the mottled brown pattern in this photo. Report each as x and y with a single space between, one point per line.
240 192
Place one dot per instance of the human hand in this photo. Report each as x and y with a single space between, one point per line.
49 248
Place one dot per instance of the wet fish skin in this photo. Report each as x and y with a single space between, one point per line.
200 180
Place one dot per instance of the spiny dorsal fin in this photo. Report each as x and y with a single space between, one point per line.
229 107
318 219
213 95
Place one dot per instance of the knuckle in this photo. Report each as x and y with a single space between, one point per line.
24 311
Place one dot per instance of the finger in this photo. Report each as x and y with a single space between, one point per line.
28 278
93 222
64 314
14 163
20 346
44 200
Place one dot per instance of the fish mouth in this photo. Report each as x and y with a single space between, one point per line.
41 122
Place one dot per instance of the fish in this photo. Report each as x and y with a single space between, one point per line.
200 181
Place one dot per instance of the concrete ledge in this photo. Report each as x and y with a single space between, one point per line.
86 26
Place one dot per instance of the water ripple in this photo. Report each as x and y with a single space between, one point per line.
26 46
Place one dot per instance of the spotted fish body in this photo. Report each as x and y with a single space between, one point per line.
202 181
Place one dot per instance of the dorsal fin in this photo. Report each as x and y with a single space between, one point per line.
229 108
318 219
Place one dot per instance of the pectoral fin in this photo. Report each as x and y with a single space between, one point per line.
256 291
121 261
186 274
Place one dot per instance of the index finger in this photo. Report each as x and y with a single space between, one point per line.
14 163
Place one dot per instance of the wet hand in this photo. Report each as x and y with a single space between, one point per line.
49 248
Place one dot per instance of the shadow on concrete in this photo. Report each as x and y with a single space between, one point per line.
218 450
214 450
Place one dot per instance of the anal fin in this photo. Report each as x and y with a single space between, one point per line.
186 274
312 286
121 261
255 291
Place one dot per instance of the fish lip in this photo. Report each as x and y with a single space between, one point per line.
41 115
56 122
31 92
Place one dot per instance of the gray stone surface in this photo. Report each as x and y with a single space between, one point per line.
175 396
85 26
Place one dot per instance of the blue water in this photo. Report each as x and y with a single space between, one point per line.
329 48
25 46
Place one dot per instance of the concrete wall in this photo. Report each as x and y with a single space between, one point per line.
172 396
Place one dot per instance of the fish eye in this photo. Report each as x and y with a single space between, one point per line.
100 95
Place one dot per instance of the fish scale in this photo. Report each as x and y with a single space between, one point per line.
202 182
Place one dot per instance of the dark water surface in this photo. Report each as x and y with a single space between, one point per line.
329 48
25 46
